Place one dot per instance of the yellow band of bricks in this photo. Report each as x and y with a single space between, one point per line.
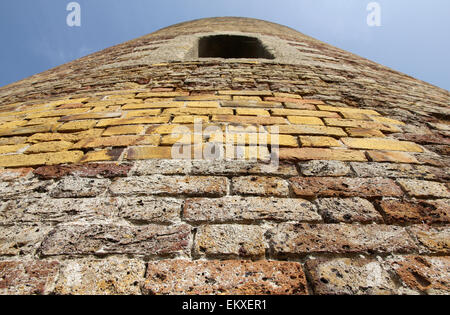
144 123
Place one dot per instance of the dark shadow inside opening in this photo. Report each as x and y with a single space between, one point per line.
232 46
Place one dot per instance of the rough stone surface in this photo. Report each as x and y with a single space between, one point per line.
248 209
432 239
100 277
169 185
421 274
232 277
344 187
107 170
18 240
301 239
230 240
417 211
349 276
325 168
101 239
260 186
27 277
335 210
421 188
71 186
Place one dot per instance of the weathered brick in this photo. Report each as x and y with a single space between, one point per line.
299 112
225 277
15 174
74 126
22 239
28 277
57 210
252 112
161 94
71 186
301 239
423 189
124 130
418 211
246 93
198 111
112 276
335 210
303 120
162 167
149 209
306 154
203 98
90 239
171 185
117 141
248 209
364 133
348 110
388 121
24 131
144 153
311 141
57 113
364 124
102 155
230 240
12 140
71 137
251 104
345 276
434 240
23 187
95 170
232 167
309 130
391 156
133 121
421 274
249 120
381 144
53 146
153 105
24 160
12 148
247 98
260 186
142 113
345 187
325 168
190 119
255 139
390 170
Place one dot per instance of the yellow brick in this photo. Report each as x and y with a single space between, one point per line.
23 160
120 96
182 129
124 130
117 141
303 120
249 120
189 119
309 130
106 109
365 133
204 98
57 113
155 105
358 116
389 156
198 111
72 137
181 138
12 125
143 113
144 153
245 129
359 124
42 121
348 110
381 144
205 104
54 146
161 94
287 95
247 98
4 149
68 101
246 93
12 140
247 153
21 131
252 112
254 139
92 115
311 141
305 154
299 112
102 155
74 126
132 121
389 121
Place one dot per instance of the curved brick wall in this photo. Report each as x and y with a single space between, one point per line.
92 201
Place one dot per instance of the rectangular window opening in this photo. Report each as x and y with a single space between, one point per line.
232 46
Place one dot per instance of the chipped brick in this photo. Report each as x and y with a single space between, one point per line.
335 210
260 186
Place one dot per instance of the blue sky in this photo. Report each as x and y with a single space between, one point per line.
413 38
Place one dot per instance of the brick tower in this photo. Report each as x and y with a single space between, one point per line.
93 201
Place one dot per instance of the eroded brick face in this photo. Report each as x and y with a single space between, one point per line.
92 200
